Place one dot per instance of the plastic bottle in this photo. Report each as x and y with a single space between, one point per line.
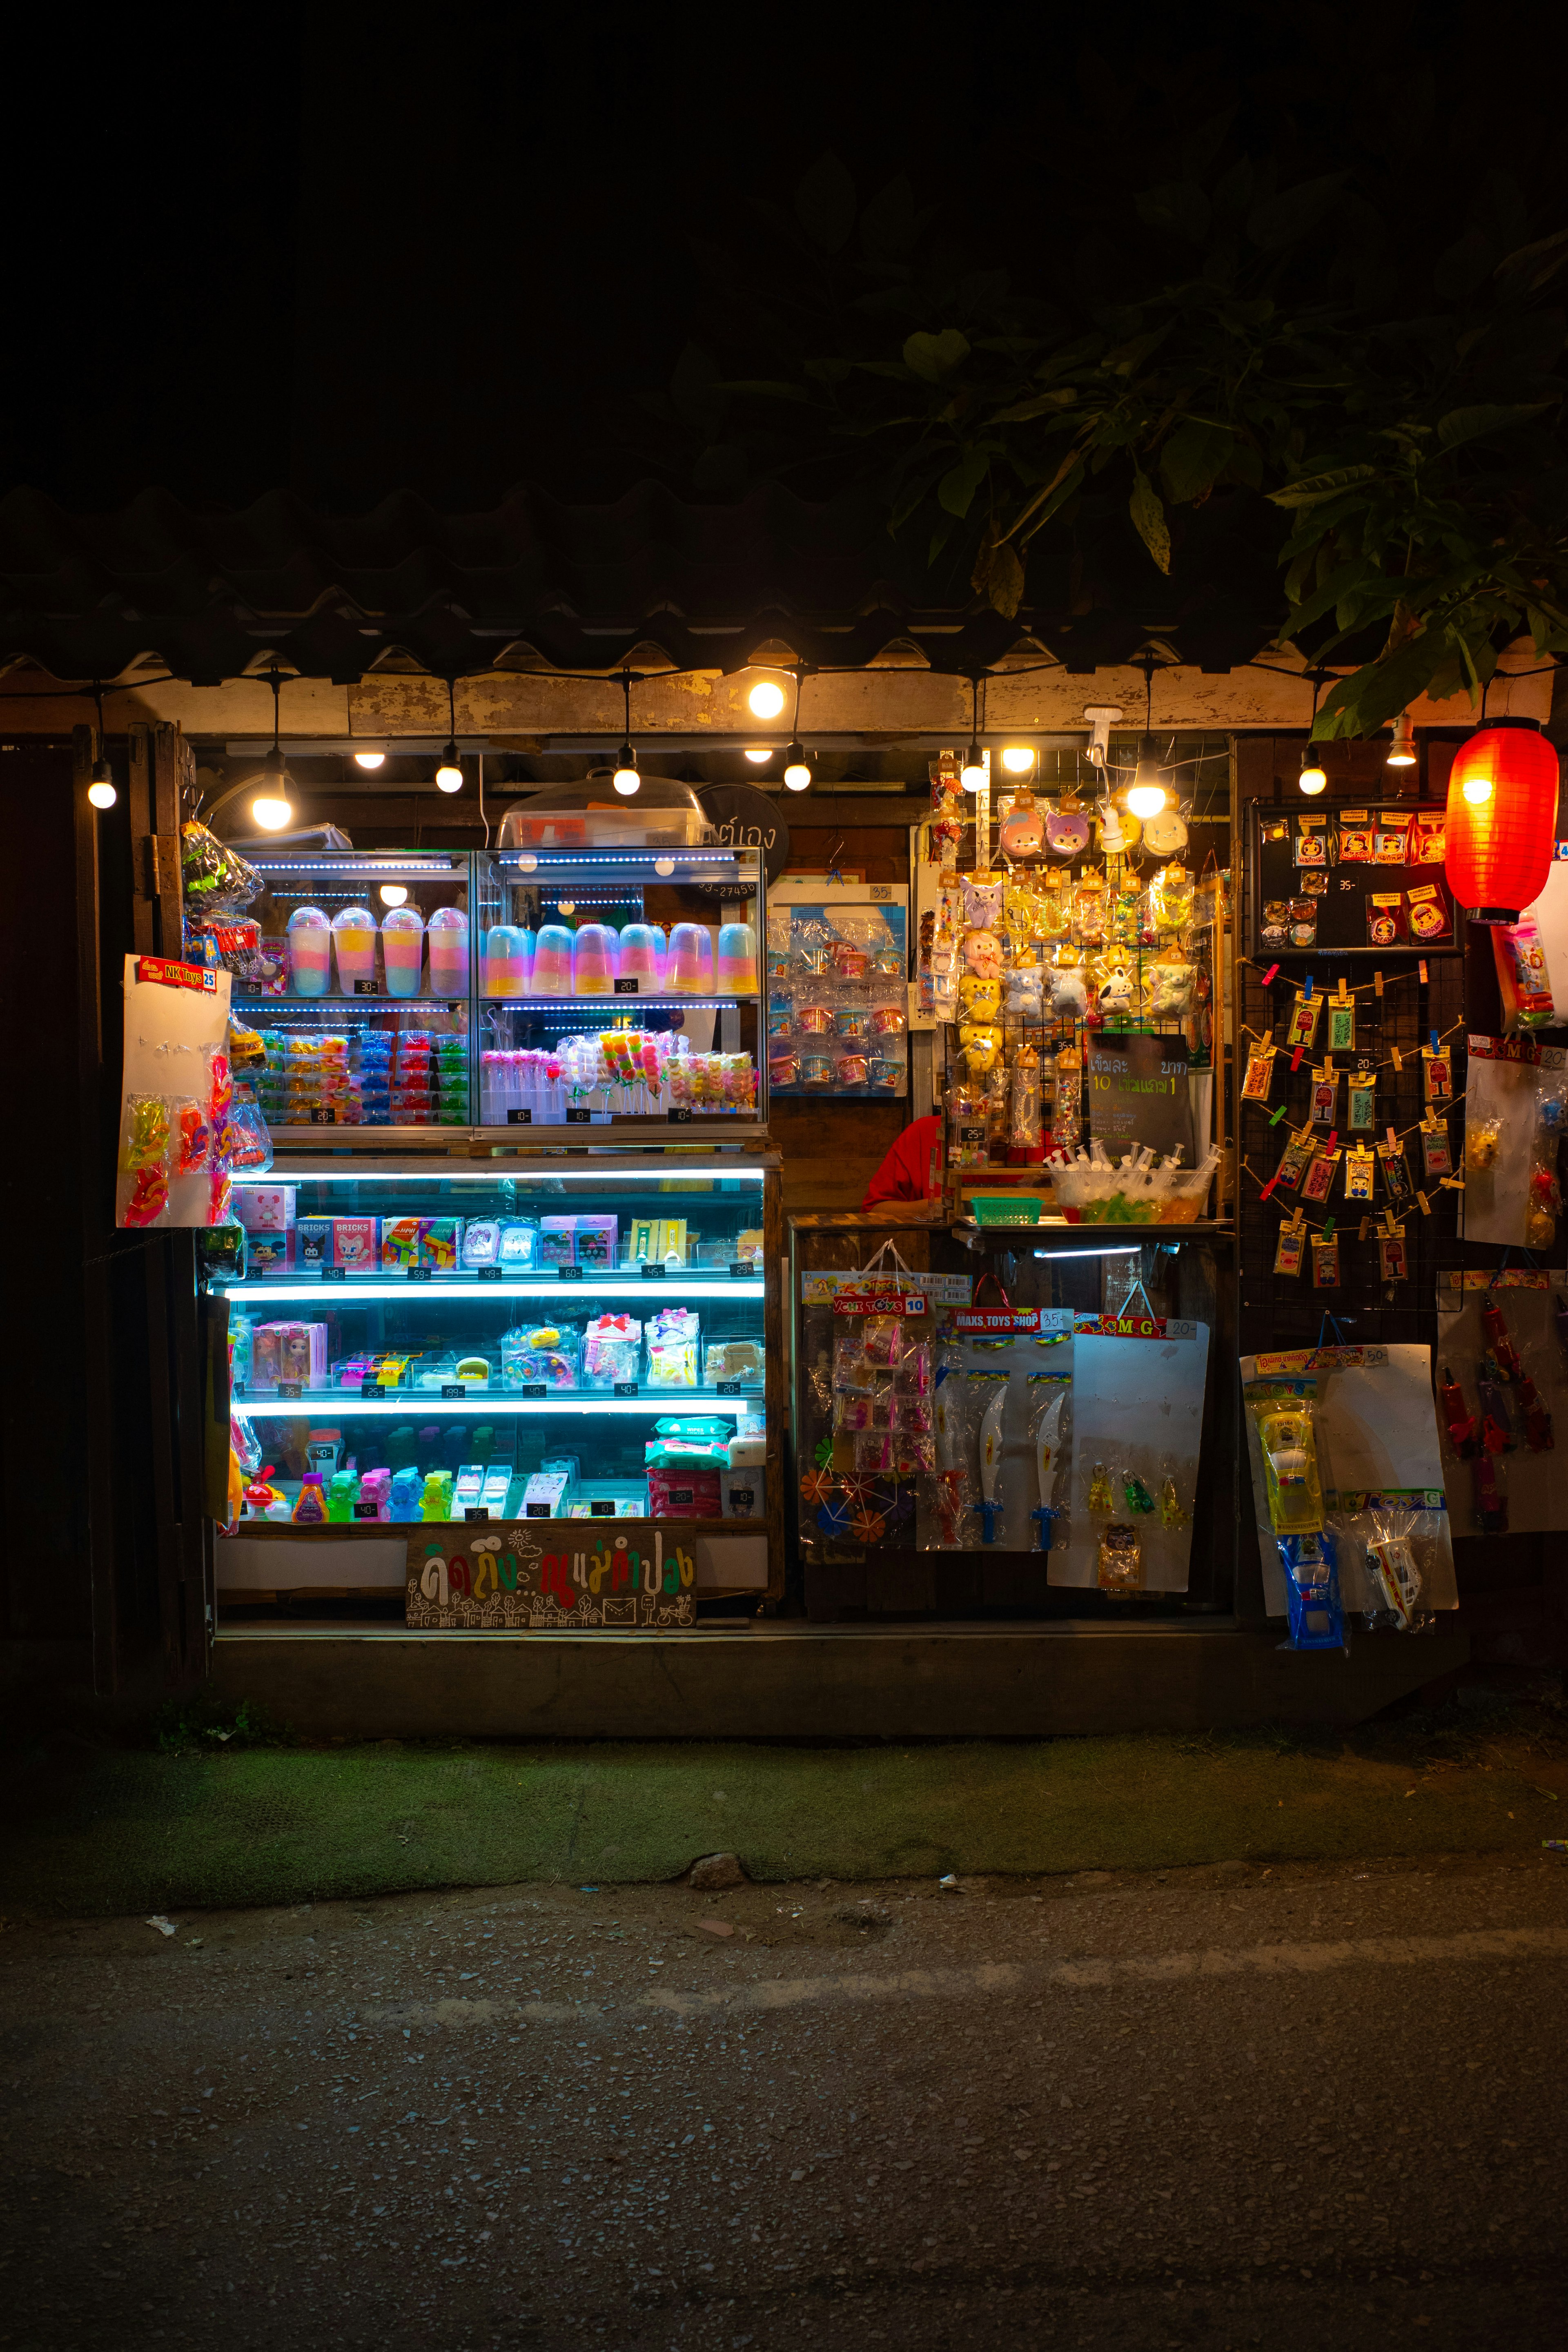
310 950
435 1503
402 1504
342 1495
448 937
311 1510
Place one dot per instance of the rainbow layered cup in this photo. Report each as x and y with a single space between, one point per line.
595 959
310 950
552 961
690 971
403 950
643 955
508 960
737 959
448 933
353 944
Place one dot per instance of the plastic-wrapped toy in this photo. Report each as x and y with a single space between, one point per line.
1171 1515
149 1196
1101 1501
1120 1563
982 954
1117 991
1089 910
1169 989
1285 1434
1313 1590
1025 993
1483 1138
215 881
1391 1568
1022 832
1069 993
193 1139
1138 1498
1025 1141
980 1046
144 1134
978 998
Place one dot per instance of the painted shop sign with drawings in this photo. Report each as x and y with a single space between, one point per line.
513 1579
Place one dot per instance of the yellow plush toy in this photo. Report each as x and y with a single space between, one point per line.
980 1047
979 996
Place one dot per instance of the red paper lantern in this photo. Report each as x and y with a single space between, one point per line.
1501 822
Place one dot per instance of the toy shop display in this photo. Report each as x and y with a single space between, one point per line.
1516 1102
1502 1391
837 1013
1348 881
184 1124
1139 1382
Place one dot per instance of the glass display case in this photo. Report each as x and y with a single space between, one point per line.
515 1343
551 988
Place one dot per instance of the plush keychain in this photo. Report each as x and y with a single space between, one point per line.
1022 832
1069 991
979 996
1169 987
982 954
980 1046
1025 1000
983 901
1117 991
1067 828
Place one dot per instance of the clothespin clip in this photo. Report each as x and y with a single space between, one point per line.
1275 1116
1363 1233
1328 1229
1333 1138
1398 1057
1341 997
1433 1037
1426 1204
1267 1189
1377 983
1299 1219
1270 974
1306 988
1296 1057
1421 968
1391 1139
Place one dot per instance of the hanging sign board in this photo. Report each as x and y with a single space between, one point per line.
1138 1093
824 1289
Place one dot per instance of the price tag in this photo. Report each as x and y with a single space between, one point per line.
487 1274
321 1117
419 1273
290 1388
367 988
741 1270
743 1499
473 1511
652 1272
334 1274
535 1389
536 1511
568 1274
364 1510
602 1511
627 987
453 1388
578 1117
678 1118
520 1118
731 1388
625 1388
685 1495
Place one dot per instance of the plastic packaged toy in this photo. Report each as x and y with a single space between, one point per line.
1285 1434
1120 1560
1313 1590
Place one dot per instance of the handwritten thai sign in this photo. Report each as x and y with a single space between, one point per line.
552 1579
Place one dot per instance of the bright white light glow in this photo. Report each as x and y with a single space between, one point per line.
1313 778
271 815
1146 800
103 795
766 699
448 776
1018 759
758 752
611 1285
406 1401
393 894
972 775
627 781
796 776
1475 790
1133 1252
370 759
663 866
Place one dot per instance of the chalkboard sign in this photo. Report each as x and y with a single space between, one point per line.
1139 1093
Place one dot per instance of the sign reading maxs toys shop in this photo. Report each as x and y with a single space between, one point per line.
560 1578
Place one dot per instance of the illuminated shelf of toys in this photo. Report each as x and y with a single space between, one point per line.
402 1401
365 1290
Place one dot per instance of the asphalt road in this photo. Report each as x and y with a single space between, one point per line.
1221 2108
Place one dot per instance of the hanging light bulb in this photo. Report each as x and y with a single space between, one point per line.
100 789
369 759
766 698
1402 750
1018 759
972 775
394 894
797 773
272 809
1146 796
759 753
626 780
1313 778
449 774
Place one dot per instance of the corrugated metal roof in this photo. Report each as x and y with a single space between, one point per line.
534 581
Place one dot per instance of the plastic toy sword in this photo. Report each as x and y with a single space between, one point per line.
990 1501
1044 1515
948 1476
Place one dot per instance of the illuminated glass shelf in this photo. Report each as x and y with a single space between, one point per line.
365 1290
405 1404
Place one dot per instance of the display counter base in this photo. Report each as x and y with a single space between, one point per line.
772 1680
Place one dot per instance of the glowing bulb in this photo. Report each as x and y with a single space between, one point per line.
758 752
393 894
449 775
100 791
1477 789
766 699
1146 800
1402 752
796 775
664 867
1018 759
626 778
972 775
271 815
370 759
1313 779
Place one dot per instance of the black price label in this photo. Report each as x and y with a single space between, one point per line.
536 1511
743 1499
568 1274
625 1388
601 1510
682 1494
731 1388
651 1273
367 988
679 1118
535 1389
364 1510
627 987
520 1118
419 1273
323 1117
578 1117
453 1388
476 1511
740 1271
334 1274
487 1274
290 1388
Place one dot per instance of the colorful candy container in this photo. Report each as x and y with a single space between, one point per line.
310 950
403 950
689 972
737 959
448 931
595 959
642 953
354 943
552 961
508 960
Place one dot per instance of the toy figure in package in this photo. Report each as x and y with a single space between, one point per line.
1303 1026
1318 1182
1385 919
1427 913
1342 1026
1360 1167
1325 1261
1325 1095
1391 1258
1395 1171
1436 1156
1259 1074
1289 1251
1438 1074
1293 1161
1362 1115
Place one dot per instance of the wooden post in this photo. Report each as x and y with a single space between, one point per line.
96 1196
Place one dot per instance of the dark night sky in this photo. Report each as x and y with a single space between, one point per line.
350 251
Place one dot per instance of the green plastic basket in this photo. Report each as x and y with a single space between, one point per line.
1007 1208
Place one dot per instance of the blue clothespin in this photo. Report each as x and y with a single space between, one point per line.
1433 1041
1307 986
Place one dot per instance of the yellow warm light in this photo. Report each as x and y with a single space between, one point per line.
1018 759
766 699
1146 800
393 894
271 815
370 759
1477 789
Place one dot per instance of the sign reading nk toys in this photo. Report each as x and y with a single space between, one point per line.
520 1579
